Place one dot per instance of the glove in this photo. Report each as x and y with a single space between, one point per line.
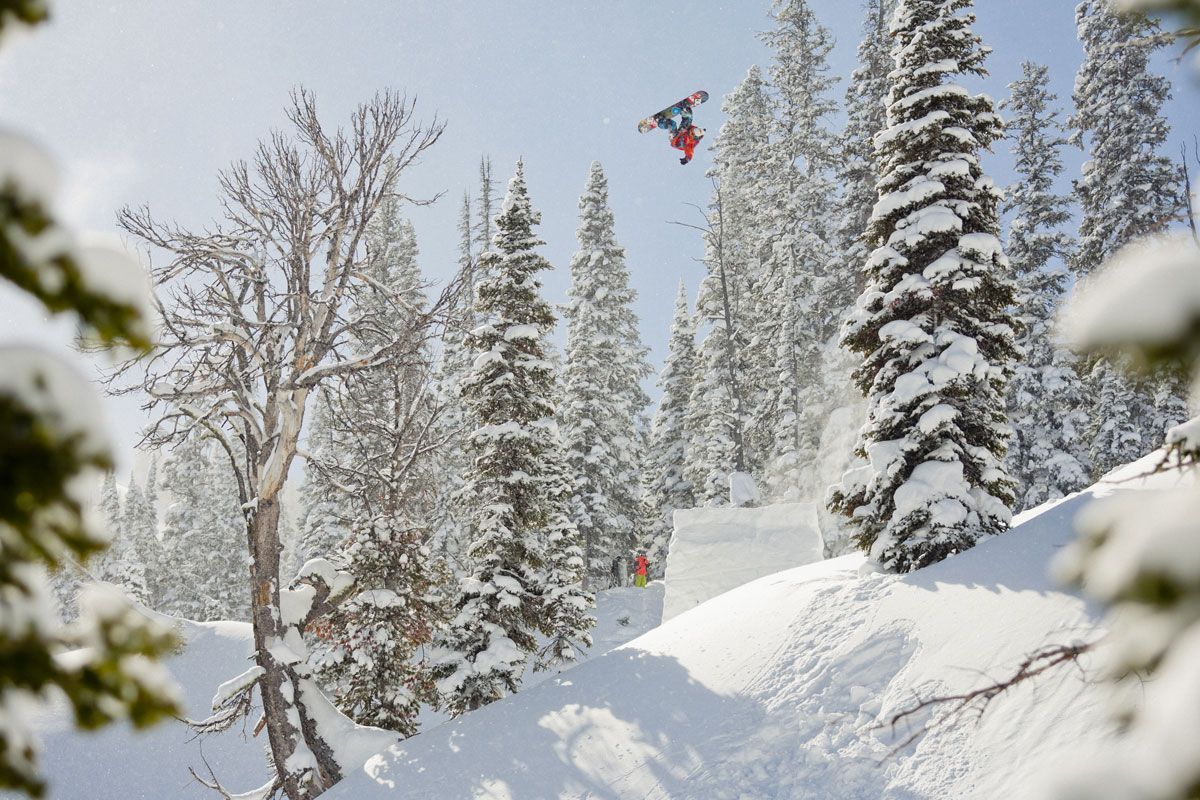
683 161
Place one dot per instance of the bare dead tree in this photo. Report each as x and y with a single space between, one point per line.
257 314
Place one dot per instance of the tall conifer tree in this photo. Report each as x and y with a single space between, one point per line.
204 536
124 564
1128 189
485 214
866 112
1046 398
800 294
716 412
803 158
667 486
932 324
603 404
502 603
449 539
376 459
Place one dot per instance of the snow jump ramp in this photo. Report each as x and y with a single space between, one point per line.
714 550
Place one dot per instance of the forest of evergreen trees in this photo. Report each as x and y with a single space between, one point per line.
875 331
903 287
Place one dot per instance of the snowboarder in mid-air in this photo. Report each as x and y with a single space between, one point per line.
686 139
684 135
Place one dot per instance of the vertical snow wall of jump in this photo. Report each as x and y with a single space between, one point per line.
714 550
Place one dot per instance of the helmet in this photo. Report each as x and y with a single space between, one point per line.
698 132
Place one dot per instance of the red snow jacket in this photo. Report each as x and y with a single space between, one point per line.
641 565
685 141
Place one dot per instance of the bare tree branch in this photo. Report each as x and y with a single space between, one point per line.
976 701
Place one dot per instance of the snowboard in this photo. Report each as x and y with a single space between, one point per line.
650 123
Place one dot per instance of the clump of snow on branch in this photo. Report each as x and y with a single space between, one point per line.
54 390
1149 294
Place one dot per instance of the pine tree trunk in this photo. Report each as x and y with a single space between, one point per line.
731 355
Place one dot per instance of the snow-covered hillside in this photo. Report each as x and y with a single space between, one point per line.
117 762
120 764
773 690
779 689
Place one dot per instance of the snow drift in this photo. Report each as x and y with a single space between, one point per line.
781 689
714 550
117 763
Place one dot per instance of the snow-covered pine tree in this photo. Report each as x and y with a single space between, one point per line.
484 214
804 157
932 323
229 571
205 574
149 546
449 538
500 605
67 580
566 618
734 227
603 404
109 566
1128 189
742 162
371 654
716 416
466 264
110 501
1046 398
375 459
667 487
150 489
124 564
368 424
866 112
131 572
800 295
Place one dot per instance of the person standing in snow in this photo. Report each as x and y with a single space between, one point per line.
639 577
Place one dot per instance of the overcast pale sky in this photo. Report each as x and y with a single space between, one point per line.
142 101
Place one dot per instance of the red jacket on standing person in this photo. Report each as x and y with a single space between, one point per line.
640 577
